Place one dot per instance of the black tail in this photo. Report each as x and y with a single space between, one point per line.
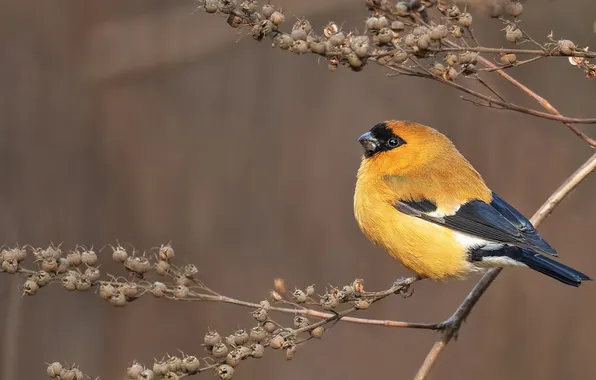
551 268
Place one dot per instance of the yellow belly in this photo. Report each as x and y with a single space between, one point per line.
426 249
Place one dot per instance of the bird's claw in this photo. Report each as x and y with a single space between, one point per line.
404 287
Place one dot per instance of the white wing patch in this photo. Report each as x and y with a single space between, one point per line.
498 262
470 241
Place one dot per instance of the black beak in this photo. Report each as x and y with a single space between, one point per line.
369 143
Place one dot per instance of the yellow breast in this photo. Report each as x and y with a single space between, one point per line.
425 248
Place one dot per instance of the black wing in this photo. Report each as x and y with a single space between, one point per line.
498 222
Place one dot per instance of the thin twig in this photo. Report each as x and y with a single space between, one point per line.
453 324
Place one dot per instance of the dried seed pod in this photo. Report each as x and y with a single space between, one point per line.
513 34
74 258
134 370
211 6
450 74
385 36
68 374
240 337
92 274
227 6
284 41
451 59
258 334
262 29
466 57
49 265
181 291
457 31
249 6
30 287
257 350
470 68
300 47
402 9
233 358
212 338
190 270
410 40
453 11
267 10
566 47
174 363
277 18
400 56
130 289
360 45
269 326
423 42
383 22
276 342
234 20
361 304
508 59
337 39
290 351
318 47
496 9
420 30
514 9
317 332
106 291
465 20
331 29
54 369
397 25
372 23
89 258
437 69
62 265
190 364
166 252
162 267
299 296
83 283
70 281
225 372
300 322
438 32
329 301
358 286
260 315
42 278
171 376
230 340
158 289
220 350
20 254
147 374
118 300
310 290
161 367
303 24
298 34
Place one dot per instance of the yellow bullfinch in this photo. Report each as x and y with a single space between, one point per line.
421 200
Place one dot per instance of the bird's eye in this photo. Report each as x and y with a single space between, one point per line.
393 142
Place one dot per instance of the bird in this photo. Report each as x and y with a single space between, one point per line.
418 197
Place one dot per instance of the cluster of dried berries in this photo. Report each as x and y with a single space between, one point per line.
396 34
59 371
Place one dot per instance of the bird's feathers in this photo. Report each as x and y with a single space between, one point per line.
496 222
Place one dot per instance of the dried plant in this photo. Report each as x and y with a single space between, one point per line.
426 39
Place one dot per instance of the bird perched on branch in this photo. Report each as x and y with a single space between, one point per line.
421 200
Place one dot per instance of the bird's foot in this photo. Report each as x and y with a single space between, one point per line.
405 287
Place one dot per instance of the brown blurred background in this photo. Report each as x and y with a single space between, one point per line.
143 122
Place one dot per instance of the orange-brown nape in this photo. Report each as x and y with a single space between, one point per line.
421 200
